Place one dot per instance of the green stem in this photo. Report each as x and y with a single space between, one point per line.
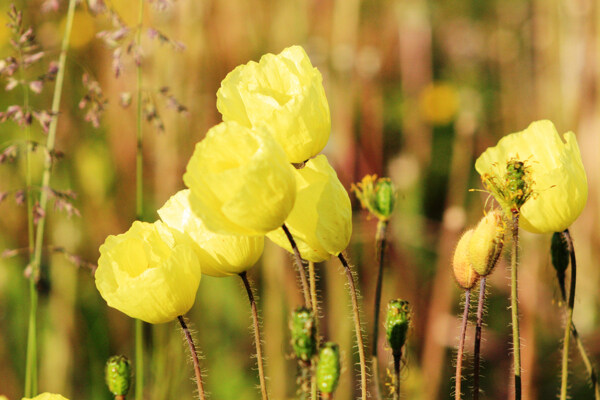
477 350
257 340
381 243
39 234
397 358
300 266
461 346
197 372
571 306
312 276
514 304
357 328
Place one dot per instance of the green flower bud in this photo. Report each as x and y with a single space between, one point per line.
396 324
376 195
304 333
328 368
118 375
486 243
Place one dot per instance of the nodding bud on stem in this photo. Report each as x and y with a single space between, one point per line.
328 368
465 275
397 323
304 331
378 195
118 375
559 250
486 243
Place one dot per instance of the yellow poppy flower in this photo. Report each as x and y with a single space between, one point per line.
240 180
439 103
45 396
285 92
150 272
321 220
219 255
555 184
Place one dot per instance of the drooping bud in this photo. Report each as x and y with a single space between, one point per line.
304 332
328 368
118 375
464 273
559 250
397 323
486 243
378 195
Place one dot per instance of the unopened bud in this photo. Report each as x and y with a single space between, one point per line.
118 375
304 332
397 323
464 273
378 195
486 243
328 368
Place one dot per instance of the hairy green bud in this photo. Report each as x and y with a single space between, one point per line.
378 195
397 323
304 333
118 375
328 368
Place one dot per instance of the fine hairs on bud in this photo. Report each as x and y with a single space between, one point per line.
487 240
465 275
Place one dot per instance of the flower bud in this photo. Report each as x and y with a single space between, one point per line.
486 243
376 195
464 273
328 368
397 323
46 396
118 375
559 250
304 331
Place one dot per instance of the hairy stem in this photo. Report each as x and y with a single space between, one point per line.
257 340
357 328
514 304
197 372
397 358
476 351
461 346
571 306
300 266
381 243
312 276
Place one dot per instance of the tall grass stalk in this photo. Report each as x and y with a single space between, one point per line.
461 346
514 304
31 363
381 243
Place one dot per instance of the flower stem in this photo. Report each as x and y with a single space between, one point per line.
357 328
461 346
300 266
312 276
570 305
476 351
381 243
197 372
514 303
257 340
397 358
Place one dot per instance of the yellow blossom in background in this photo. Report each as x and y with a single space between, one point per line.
219 255
150 272
84 29
321 221
439 103
286 93
557 180
240 180
43 396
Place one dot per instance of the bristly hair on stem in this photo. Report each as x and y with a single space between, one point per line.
514 304
299 266
477 345
194 353
461 346
381 244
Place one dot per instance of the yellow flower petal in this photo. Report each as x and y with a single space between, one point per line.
559 182
219 255
240 180
150 272
45 396
321 220
286 93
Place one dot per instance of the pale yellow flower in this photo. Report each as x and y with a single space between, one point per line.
286 93
241 181
555 181
44 396
150 272
439 103
219 255
321 221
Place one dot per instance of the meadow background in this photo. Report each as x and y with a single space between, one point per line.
417 90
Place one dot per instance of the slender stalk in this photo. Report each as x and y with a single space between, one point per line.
197 372
139 203
514 303
39 233
312 276
257 340
397 358
461 346
568 325
357 328
476 351
300 266
381 243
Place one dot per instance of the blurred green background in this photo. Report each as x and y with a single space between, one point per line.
417 90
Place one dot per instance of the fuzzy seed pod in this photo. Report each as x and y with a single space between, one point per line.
397 323
118 375
328 368
463 270
303 333
486 243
